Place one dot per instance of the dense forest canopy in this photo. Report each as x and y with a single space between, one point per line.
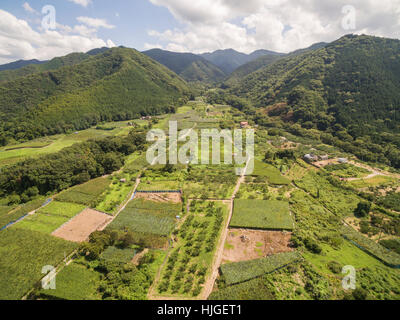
118 84
189 66
348 89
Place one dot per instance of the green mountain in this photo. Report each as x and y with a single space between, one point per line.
116 85
229 60
56 63
19 64
23 68
265 59
251 67
349 89
189 66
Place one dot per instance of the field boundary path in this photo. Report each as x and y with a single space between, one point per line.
209 285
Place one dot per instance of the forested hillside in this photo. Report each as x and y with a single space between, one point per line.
189 66
56 63
19 64
350 89
229 60
118 84
265 60
22 68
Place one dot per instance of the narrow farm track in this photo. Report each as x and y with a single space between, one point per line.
209 285
151 294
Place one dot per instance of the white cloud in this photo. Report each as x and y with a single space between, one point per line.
28 8
281 25
148 46
95 23
19 41
83 3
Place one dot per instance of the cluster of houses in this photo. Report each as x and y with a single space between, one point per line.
311 158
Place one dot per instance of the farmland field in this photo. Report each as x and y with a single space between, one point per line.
141 221
51 217
347 171
270 173
373 182
189 264
150 221
389 257
79 228
23 254
74 282
262 214
238 272
10 214
338 200
116 193
87 194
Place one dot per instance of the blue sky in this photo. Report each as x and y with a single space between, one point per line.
132 19
187 26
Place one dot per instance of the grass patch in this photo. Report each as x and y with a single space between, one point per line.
346 170
16 213
387 256
239 272
262 214
272 174
372 182
74 282
51 217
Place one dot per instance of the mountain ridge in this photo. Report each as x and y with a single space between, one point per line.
189 66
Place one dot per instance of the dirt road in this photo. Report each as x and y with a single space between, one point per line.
209 285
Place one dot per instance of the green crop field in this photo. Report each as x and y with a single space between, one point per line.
147 217
238 272
87 194
270 173
51 217
10 214
387 256
74 282
144 222
168 209
23 254
262 214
